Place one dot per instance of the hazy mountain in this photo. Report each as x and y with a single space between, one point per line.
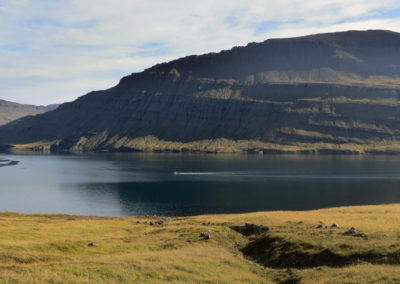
10 111
325 92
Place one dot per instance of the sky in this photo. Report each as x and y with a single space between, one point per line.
55 51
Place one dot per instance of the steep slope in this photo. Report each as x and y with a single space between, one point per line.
10 111
326 92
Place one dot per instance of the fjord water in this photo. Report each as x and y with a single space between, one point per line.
174 184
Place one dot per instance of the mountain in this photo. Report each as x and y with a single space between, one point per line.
336 92
10 111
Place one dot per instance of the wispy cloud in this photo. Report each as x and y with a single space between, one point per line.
266 26
151 44
52 51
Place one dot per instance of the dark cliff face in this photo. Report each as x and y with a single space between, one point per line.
359 52
332 88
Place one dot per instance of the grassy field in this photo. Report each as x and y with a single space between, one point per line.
278 247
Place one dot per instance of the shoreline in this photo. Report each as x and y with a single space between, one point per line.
305 211
101 142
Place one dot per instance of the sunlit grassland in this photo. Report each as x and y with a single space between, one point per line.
223 145
54 248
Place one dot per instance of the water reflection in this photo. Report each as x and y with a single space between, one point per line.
141 184
4 163
193 198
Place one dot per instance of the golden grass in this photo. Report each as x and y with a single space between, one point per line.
54 248
363 273
383 101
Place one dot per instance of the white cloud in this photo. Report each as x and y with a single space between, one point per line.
52 51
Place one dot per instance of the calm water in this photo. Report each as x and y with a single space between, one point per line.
140 184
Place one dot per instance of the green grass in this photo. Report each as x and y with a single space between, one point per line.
54 248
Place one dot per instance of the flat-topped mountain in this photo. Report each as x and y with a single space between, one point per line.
10 111
361 53
325 92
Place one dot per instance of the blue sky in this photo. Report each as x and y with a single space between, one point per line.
54 51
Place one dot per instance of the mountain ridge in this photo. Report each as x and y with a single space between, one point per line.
324 92
10 111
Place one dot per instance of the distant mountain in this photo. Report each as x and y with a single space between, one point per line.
337 92
10 111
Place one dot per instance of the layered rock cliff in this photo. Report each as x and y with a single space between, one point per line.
326 92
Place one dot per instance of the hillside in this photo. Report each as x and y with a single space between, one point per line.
274 247
10 111
335 92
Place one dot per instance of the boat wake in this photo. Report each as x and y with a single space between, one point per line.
393 177
197 173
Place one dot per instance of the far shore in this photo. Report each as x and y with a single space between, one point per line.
101 142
